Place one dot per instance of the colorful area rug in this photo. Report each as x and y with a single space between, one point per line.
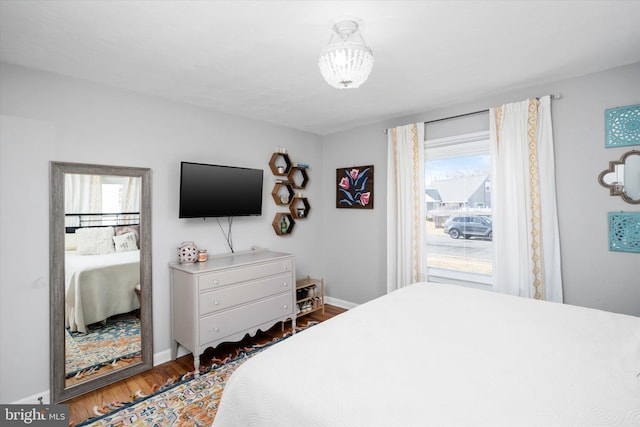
102 345
183 401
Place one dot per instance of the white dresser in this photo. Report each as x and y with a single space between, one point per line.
229 296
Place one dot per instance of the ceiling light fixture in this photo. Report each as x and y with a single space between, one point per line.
346 61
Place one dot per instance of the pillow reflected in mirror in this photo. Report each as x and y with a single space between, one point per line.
135 229
70 242
94 241
125 242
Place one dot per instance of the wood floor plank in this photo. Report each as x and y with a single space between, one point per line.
82 407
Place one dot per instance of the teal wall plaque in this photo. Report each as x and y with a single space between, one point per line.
624 231
622 126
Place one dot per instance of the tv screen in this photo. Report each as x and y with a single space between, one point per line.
214 191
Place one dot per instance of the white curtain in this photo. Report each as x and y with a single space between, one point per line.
406 220
82 193
131 194
525 224
130 199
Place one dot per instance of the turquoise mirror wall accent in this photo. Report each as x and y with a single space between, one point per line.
622 126
624 231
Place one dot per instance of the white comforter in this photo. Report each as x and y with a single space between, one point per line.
99 286
443 355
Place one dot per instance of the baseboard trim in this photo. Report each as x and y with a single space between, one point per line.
165 355
340 303
33 399
161 357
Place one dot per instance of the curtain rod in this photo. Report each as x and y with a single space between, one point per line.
457 117
552 95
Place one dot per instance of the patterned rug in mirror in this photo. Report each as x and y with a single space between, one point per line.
103 344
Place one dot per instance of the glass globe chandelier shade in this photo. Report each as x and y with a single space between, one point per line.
347 63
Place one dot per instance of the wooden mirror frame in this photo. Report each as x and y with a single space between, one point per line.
612 169
59 391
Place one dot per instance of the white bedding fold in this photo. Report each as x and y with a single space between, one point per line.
443 355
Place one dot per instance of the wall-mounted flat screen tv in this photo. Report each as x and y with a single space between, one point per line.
215 191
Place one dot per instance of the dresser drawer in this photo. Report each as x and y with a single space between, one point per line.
229 277
218 326
220 299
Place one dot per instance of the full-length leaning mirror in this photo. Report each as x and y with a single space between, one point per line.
623 177
100 275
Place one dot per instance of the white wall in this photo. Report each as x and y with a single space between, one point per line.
355 239
24 270
49 117
592 275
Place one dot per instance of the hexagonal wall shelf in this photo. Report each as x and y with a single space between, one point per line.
298 177
277 223
290 177
280 160
299 207
282 193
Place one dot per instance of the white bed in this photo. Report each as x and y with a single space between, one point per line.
444 355
99 286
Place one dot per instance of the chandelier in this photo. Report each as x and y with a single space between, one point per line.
346 61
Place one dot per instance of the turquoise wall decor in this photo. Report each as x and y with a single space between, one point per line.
622 126
624 231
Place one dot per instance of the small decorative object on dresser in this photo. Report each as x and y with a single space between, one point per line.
229 296
187 253
309 296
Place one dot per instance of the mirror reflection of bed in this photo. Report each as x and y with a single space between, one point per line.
102 275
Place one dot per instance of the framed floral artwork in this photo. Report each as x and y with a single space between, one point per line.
354 187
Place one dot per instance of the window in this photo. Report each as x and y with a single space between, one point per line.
112 197
112 191
459 220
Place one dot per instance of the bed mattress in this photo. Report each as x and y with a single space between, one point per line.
443 355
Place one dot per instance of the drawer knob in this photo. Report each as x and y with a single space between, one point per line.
284 267
215 281
285 284
216 302
285 306
216 329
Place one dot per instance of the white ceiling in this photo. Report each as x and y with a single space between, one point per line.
259 58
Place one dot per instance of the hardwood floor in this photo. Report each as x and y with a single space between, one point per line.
81 407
